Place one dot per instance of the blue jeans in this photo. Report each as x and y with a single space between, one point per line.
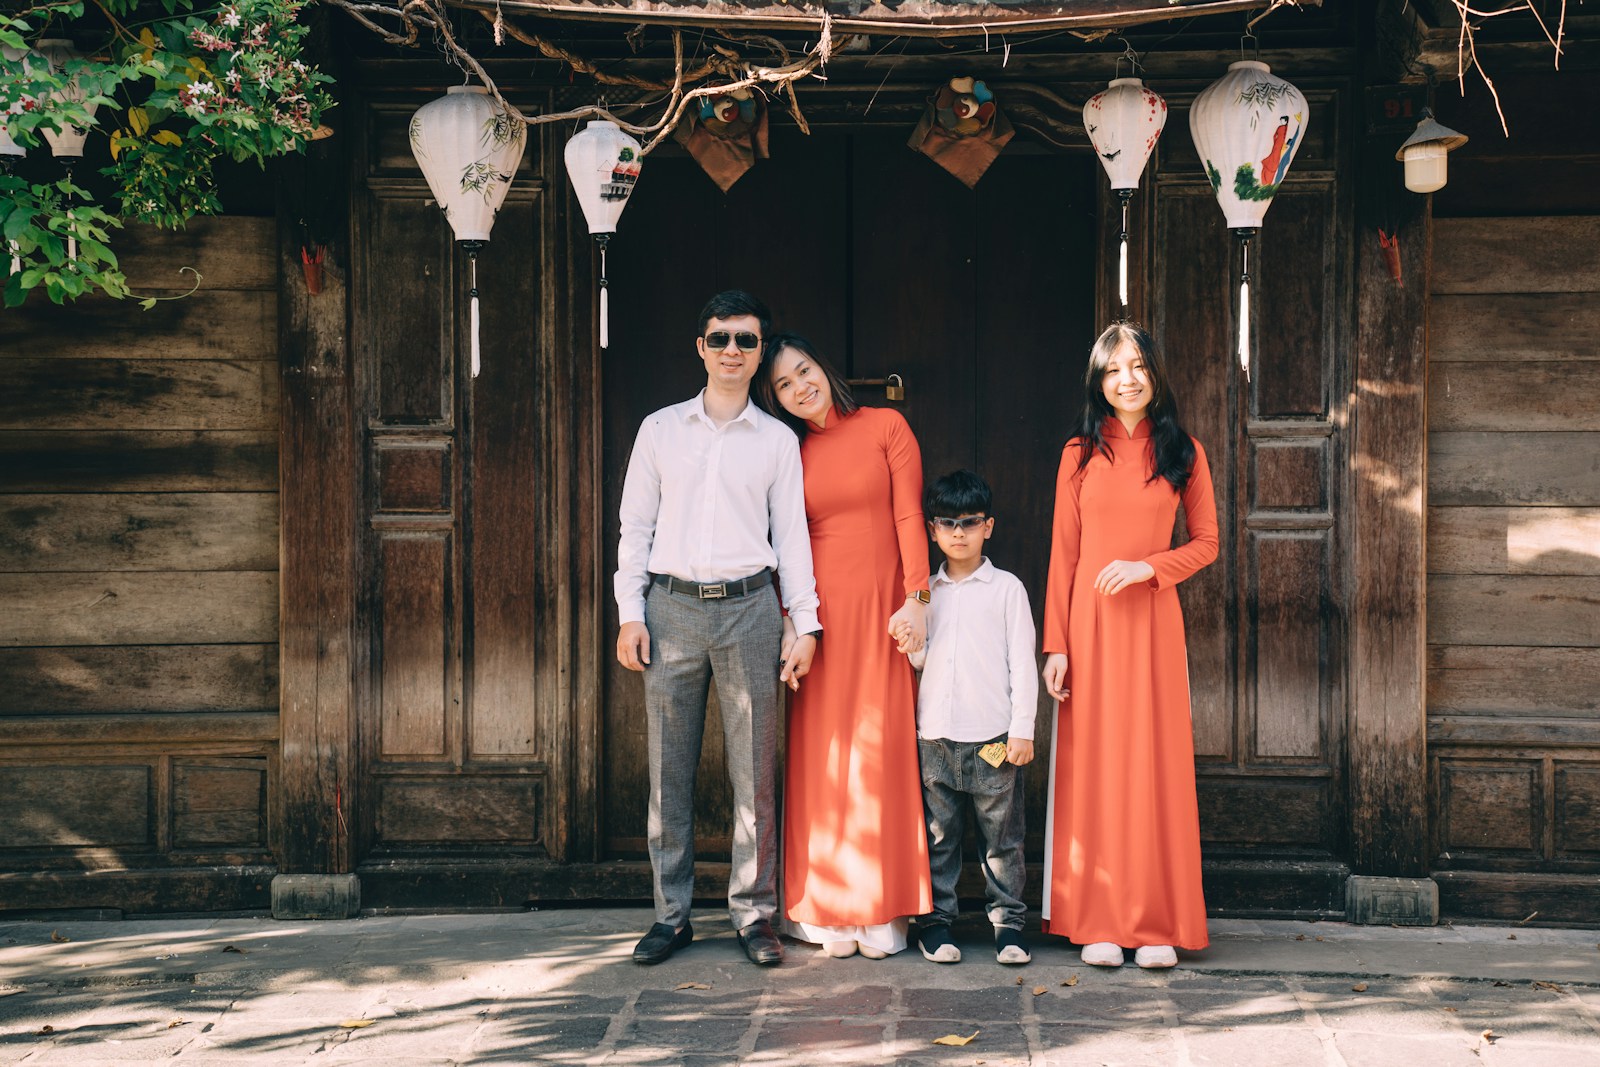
952 777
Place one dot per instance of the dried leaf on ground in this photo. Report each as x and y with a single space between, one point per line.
1359 987
1319 939
1040 990
57 938
177 1022
956 1039
1019 981
691 985
1449 1008
1501 985
1299 937
44 1030
357 1024
235 948
1071 981
1490 1036
1511 937
1550 986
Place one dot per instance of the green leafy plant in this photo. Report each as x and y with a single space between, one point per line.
174 86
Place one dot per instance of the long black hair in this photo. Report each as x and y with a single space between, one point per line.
766 397
1172 450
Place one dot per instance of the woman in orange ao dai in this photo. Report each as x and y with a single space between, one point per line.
1122 834
855 853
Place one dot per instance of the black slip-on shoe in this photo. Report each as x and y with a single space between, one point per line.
1009 946
761 944
661 942
936 946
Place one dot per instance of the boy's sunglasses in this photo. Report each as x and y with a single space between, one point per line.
718 340
971 522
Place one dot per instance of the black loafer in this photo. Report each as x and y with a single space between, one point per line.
761 944
661 942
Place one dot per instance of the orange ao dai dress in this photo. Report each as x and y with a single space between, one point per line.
855 850
1122 834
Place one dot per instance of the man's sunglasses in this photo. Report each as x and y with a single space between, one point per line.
970 522
718 340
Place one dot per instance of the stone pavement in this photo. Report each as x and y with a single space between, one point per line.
558 987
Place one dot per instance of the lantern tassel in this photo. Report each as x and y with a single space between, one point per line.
605 294
472 260
1244 308
1122 254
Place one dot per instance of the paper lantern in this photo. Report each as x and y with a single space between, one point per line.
1426 153
1124 122
1247 127
603 165
468 148
67 142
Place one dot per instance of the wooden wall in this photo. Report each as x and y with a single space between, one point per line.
139 574
1514 565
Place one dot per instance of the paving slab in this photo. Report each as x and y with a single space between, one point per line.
560 987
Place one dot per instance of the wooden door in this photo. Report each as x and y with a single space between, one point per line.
461 744
981 300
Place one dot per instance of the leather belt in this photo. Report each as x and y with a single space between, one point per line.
714 590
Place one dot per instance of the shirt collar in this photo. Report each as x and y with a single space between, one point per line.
696 409
984 573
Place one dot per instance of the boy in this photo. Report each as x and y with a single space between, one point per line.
975 710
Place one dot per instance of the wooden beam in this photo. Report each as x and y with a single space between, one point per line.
319 487
1389 449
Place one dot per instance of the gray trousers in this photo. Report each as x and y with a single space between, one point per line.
955 779
737 640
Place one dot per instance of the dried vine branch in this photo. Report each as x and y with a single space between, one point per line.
1467 45
735 70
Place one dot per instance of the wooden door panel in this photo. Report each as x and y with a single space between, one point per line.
1295 272
412 654
1289 643
410 339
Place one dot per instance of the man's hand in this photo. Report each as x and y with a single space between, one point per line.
1121 573
1055 675
787 645
1019 751
633 646
797 664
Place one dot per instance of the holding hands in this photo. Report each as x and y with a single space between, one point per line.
909 626
795 655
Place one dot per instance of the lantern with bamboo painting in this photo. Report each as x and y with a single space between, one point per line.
1247 127
603 165
469 148
1124 122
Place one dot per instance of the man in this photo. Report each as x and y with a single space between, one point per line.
712 505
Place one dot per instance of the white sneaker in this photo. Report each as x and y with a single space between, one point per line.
1155 957
1102 954
871 953
840 949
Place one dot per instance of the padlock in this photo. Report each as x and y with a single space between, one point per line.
894 388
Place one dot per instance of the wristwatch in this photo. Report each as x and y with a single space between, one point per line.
921 596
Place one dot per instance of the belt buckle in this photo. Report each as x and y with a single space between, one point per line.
714 592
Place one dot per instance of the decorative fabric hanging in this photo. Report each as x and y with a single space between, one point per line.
1247 127
726 135
962 129
469 149
1124 121
67 142
603 165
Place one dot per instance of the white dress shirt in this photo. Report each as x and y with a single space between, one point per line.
979 677
714 504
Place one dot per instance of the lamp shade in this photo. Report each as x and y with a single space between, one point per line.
1426 154
603 164
68 141
9 147
1247 127
468 149
1124 121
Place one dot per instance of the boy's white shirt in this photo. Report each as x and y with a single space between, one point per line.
979 675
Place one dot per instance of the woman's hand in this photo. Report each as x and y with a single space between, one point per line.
1120 573
1055 675
787 645
797 662
909 626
